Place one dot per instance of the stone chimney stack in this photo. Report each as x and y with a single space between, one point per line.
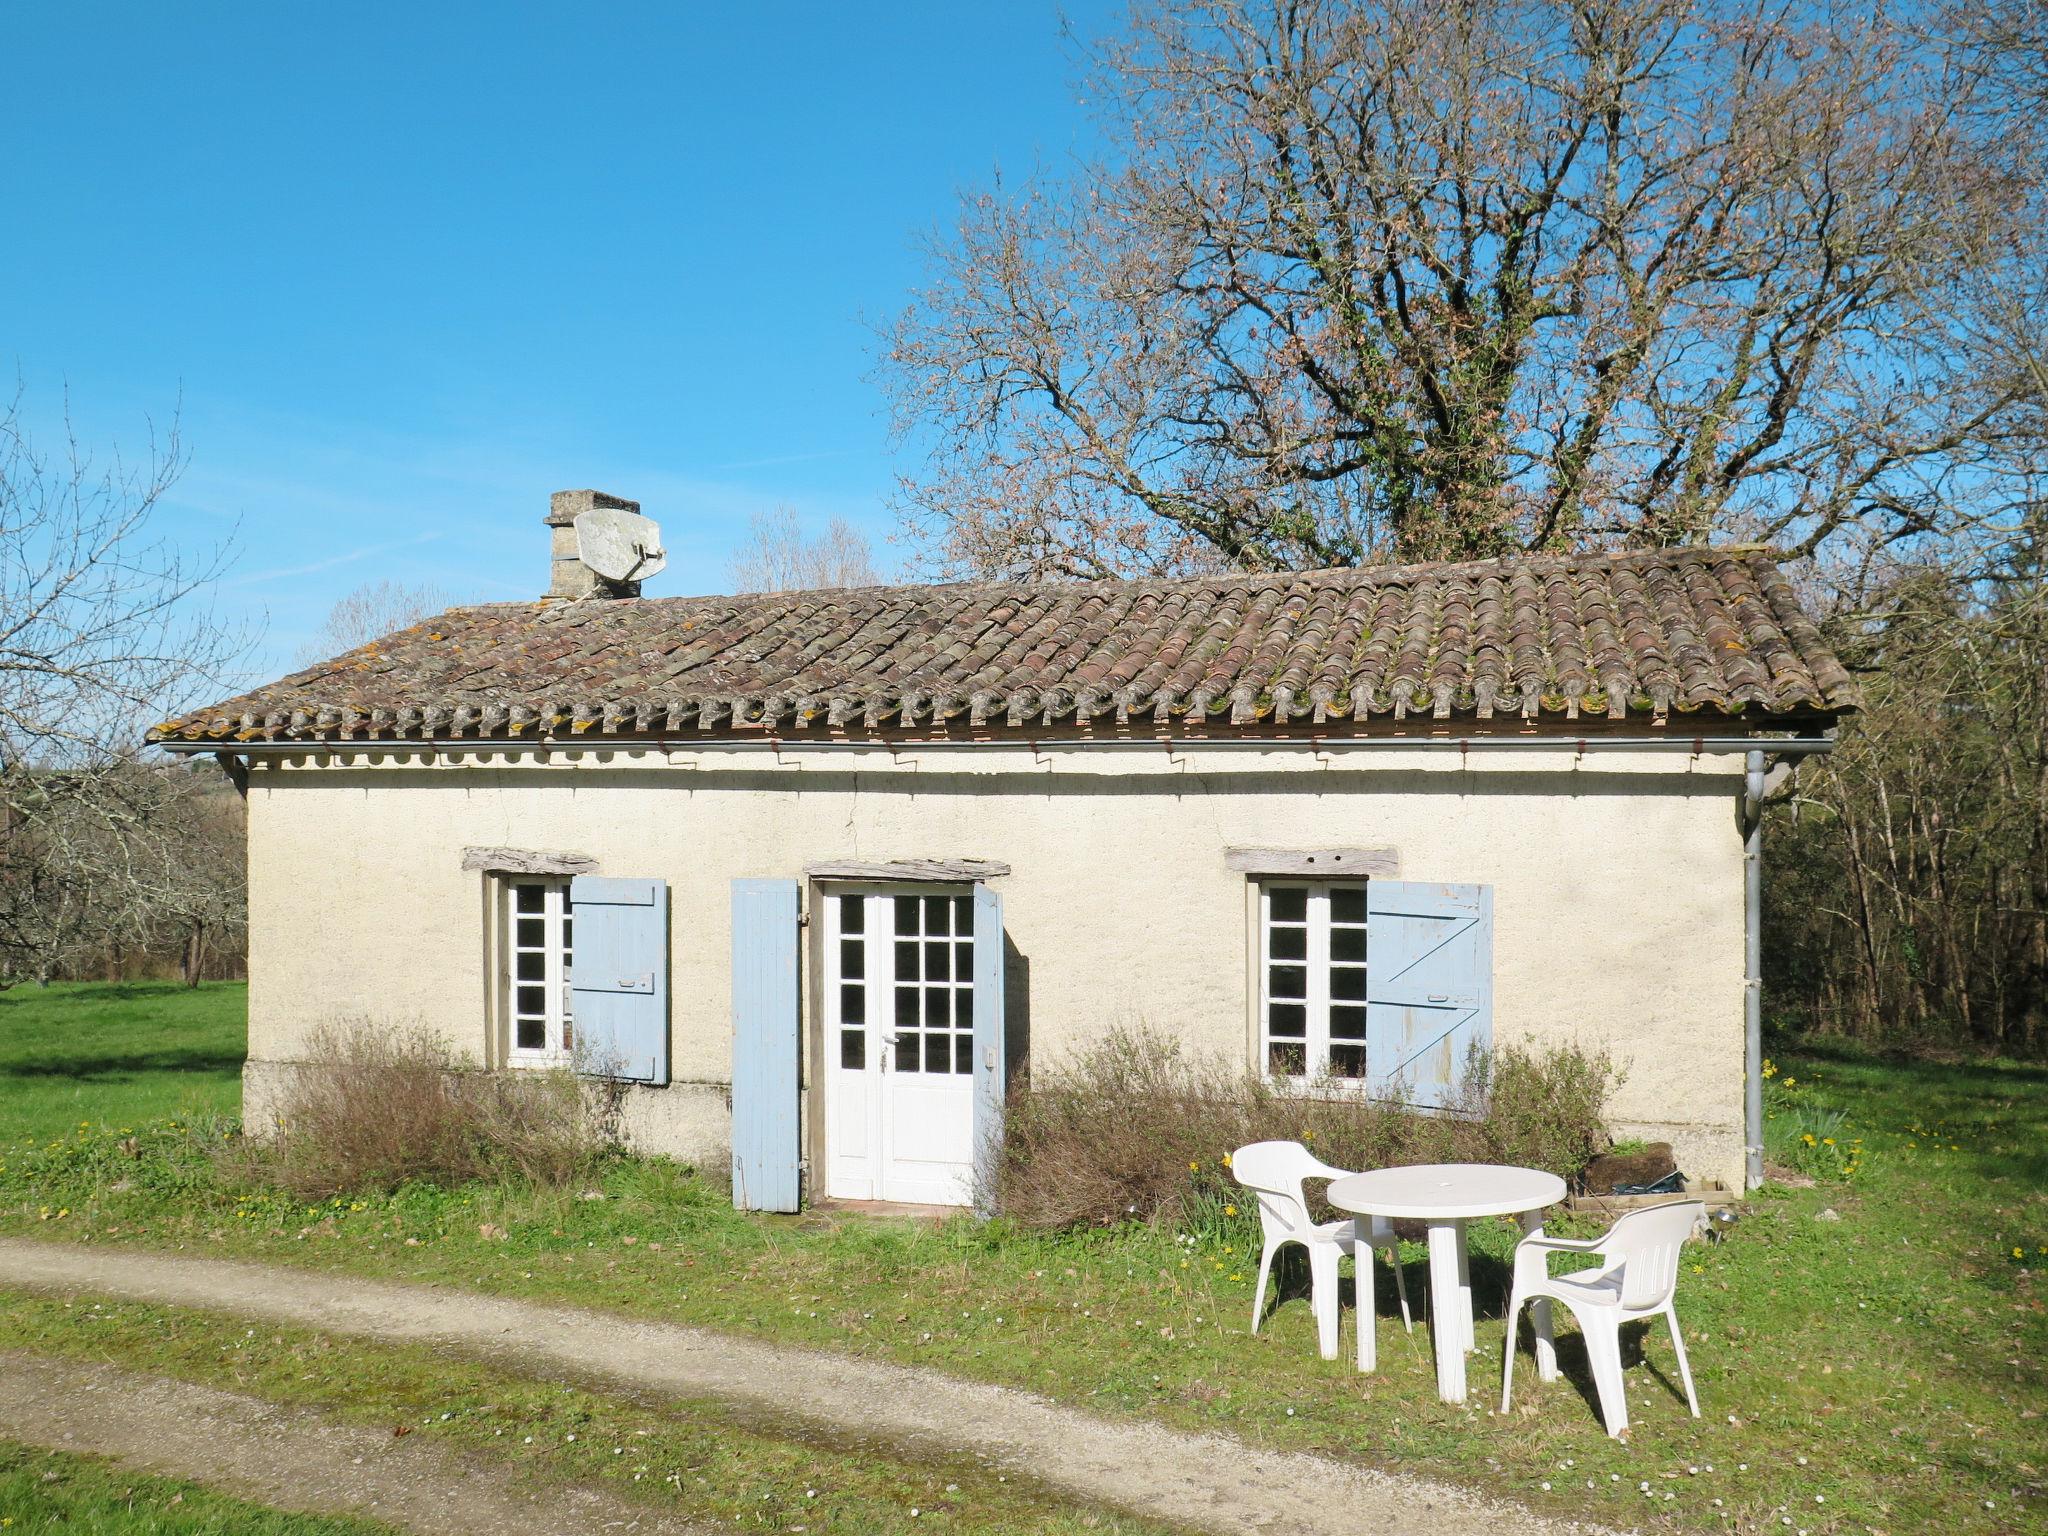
571 578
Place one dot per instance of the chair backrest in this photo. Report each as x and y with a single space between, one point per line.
1274 1171
1643 1246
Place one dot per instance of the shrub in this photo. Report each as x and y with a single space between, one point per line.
374 1107
1137 1128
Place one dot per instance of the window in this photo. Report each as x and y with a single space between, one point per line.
1312 979
906 961
539 937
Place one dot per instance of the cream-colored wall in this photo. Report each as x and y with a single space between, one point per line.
1617 884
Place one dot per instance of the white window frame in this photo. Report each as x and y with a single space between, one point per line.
557 951
1317 1001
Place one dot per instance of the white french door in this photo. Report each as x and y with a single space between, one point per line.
899 1044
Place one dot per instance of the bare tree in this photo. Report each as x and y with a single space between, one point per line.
779 557
371 612
1438 278
103 631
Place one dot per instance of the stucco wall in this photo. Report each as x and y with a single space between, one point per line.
1617 885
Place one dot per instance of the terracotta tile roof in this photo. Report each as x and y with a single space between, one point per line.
1691 631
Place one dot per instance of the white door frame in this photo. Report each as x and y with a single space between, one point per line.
898 1089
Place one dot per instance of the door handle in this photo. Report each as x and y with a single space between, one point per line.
1439 997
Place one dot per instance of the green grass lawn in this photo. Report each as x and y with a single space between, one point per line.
120 1053
43 1493
1869 1350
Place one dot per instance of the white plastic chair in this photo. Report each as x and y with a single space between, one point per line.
1636 1278
1274 1171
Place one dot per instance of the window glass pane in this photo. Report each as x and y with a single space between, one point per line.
531 1035
1347 943
906 1052
853 959
963 915
906 961
533 965
853 1004
963 1054
938 1053
1289 1019
1347 1061
853 912
938 962
906 1007
1347 982
963 1007
1285 1060
1287 981
1287 943
530 1000
1347 1023
853 1049
1288 904
529 898
906 916
1347 903
566 935
963 961
530 932
938 1013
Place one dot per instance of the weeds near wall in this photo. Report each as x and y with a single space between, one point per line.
374 1107
1137 1128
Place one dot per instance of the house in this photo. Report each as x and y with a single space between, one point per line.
821 873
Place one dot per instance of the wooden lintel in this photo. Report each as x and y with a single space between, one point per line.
948 871
1323 862
527 861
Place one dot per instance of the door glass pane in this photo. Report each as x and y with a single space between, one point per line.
1287 981
938 1053
853 913
853 1049
963 1054
531 1000
1347 1023
530 932
938 962
963 915
906 1007
1347 983
906 916
529 898
1289 904
906 1051
1347 903
1288 943
963 961
1286 1060
1289 1019
906 962
853 1004
937 1015
1347 1060
1347 943
853 959
533 965
532 1034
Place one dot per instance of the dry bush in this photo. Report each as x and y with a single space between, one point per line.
374 1107
1136 1127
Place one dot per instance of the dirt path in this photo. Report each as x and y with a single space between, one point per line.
291 1458
1212 1481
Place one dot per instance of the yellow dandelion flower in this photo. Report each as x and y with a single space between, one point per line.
1230 1210
1827 1141
1194 1167
2019 1253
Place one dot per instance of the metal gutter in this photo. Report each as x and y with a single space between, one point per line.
1694 745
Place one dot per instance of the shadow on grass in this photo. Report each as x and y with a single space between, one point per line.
103 1069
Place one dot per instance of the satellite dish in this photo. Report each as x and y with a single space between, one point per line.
619 546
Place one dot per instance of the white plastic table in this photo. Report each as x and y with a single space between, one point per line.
1446 1196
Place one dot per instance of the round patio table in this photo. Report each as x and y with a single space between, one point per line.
1445 1196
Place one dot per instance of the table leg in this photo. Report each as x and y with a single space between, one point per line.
1465 1323
1446 1301
1368 1331
1539 1315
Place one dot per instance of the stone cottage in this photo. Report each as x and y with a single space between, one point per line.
821 873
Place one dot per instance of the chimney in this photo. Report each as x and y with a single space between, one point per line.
571 578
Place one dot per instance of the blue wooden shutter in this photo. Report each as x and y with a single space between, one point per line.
989 1045
1429 984
618 977
764 1045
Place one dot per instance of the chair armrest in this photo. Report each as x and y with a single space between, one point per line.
1562 1244
1323 1170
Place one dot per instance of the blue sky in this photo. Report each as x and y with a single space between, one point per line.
400 271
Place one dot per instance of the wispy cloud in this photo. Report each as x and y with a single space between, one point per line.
349 557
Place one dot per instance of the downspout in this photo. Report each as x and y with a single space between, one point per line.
1753 970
